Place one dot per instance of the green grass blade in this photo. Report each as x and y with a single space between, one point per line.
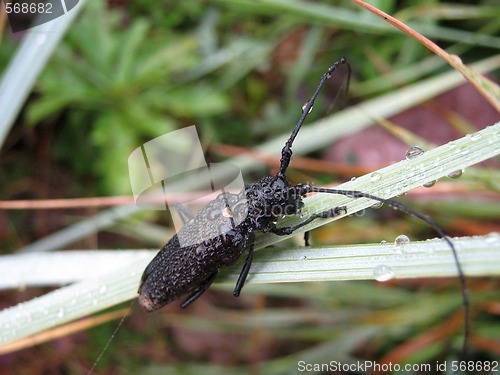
30 59
432 258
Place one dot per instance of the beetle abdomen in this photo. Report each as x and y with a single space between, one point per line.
178 270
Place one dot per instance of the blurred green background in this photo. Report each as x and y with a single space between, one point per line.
129 71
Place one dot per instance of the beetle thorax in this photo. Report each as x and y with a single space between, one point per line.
271 198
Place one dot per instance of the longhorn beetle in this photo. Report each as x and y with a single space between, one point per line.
178 270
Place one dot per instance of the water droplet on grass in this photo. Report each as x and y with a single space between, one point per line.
375 176
383 273
413 152
476 137
492 237
430 183
455 174
402 240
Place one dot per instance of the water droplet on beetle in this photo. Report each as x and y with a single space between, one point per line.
304 108
383 273
401 240
226 212
413 152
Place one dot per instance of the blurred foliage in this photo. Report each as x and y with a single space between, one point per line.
114 83
128 74
7 47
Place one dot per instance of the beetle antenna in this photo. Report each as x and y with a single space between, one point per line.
437 228
286 152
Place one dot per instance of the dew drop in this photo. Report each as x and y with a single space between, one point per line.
383 273
60 313
375 176
304 107
465 152
377 205
455 174
430 183
383 242
413 152
103 289
492 237
226 212
476 137
353 178
401 240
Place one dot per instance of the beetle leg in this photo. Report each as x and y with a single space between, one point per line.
322 215
199 291
306 238
244 271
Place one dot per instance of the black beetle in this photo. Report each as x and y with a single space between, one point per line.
177 270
